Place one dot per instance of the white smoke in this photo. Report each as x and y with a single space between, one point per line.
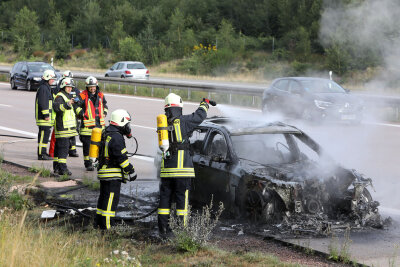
369 25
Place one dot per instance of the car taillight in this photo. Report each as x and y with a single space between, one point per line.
127 72
147 72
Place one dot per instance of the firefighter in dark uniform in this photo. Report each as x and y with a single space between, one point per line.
43 112
93 113
114 167
64 126
177 167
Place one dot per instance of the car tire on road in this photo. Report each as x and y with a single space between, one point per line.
106 75
13 86
122 77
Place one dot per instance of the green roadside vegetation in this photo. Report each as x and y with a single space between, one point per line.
26 240
236 40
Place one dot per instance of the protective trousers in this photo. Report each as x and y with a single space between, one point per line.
43 139
61 154
72 145
85 139
107 203
177 188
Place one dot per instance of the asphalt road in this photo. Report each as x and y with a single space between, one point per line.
371 148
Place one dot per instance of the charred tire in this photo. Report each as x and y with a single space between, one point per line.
13 86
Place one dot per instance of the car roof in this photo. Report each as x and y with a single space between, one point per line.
303 79
130 62
238 126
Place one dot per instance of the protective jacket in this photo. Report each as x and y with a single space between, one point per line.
65 122
93 110
179 162
113 162
44 104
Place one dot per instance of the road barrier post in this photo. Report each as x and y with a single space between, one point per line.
152 91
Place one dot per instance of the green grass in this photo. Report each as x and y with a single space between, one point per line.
4 78
90 183
44 172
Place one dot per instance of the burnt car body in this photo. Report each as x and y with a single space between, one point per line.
269 172
312 99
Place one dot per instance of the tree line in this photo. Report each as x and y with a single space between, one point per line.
160 30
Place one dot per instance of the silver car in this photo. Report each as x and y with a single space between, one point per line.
128 69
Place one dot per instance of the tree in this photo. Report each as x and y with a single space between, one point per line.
130 49
117 34
25 32
60 40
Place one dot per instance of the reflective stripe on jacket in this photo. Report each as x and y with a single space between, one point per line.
44 105
116 165
65 122
179 164
92 112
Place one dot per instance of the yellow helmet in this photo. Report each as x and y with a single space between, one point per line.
67 82
173 100
48 75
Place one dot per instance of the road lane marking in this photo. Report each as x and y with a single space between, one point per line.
382 124
145 127
18 131
4 105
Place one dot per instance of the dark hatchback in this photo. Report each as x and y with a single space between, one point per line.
29 74
272 171
312 99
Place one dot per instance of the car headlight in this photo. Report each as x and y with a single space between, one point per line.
322 104
37 78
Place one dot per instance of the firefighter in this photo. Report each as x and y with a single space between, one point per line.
64 126
75 93
93 112
43 112
177 167
114 167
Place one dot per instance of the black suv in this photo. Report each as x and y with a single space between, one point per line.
29 74
312 99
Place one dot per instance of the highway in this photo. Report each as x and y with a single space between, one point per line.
372 148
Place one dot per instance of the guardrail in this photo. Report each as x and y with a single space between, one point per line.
231 89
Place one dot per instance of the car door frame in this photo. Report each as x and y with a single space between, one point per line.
281 95
217 170
296 98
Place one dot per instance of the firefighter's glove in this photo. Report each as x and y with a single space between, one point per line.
205 104
132 176
210 102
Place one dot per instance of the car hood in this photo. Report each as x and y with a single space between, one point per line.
35 74
338 98
303 172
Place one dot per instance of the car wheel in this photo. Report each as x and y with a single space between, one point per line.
106 75
122 77
13 86
28 85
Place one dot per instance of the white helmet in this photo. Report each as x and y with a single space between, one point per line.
173 100
68 74
91 81
120 117
48 75
67 82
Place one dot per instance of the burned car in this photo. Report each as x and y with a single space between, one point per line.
271 172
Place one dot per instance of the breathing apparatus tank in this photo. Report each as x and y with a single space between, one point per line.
162 131
95 144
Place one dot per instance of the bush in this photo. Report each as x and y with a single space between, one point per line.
196 233
130 49
78 53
